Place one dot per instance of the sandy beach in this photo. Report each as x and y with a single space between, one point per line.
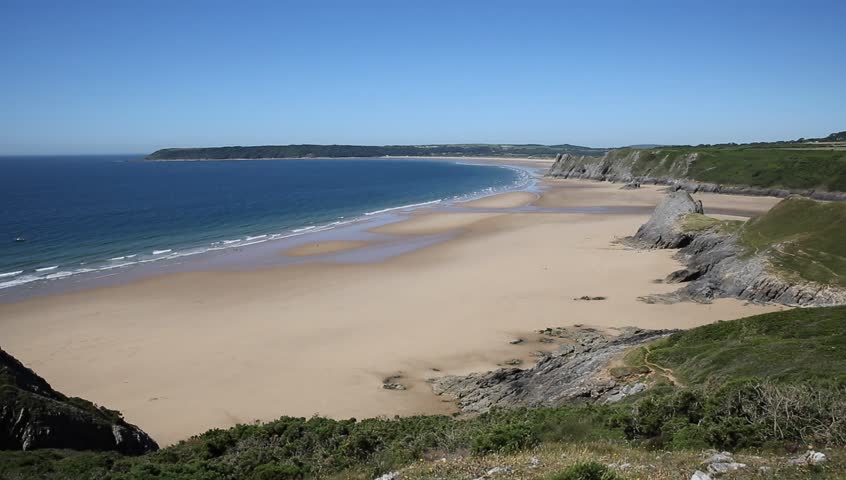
181 353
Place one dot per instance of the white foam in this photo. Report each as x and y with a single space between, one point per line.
304 229
10 274
413 205
56 275
116 259
46 269
159 252
256 237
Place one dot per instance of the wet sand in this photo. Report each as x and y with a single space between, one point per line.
322 248
185 352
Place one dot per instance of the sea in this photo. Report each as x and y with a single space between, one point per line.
62 216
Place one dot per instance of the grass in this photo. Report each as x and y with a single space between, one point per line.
802 237
626 461
696 222
785 166
789 346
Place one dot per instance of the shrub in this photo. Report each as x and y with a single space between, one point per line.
586 471
503 438
271 471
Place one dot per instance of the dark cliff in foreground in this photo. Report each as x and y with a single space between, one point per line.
806 169
33 416
365 151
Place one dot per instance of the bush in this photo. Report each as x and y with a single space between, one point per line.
277 472
502 439
586 471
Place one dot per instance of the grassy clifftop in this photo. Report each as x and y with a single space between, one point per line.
802 237
797 167
786 347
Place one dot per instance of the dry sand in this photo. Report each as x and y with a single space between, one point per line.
186 352
321 248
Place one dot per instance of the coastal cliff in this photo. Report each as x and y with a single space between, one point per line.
34 416
795 254
743 170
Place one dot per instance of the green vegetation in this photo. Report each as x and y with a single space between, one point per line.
786 347
764 166
335 151
770 381
696 222
586 471
802 237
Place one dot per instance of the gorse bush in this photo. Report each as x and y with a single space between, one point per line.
739 415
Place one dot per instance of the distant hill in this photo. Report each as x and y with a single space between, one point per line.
336 151
834 137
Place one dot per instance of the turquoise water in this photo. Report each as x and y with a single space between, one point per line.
61 216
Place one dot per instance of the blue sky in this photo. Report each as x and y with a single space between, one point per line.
132 76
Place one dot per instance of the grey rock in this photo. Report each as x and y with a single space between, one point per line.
809 458
816 458
33 416
393 386
390 476
717 469
699 475
626 391
516 341
722 457
499 471
555 379
663 228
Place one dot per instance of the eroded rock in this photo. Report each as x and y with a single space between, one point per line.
573 374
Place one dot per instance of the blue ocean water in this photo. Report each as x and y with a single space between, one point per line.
83 213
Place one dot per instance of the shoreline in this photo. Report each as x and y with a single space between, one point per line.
164 259
320 337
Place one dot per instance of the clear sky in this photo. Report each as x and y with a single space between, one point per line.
116 76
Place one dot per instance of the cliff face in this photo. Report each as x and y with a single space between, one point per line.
792 255
667 167
717 266
33 415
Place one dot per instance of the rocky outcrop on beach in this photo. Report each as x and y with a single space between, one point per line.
718 264
664 228
631 168
576 372
716 267
33 415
